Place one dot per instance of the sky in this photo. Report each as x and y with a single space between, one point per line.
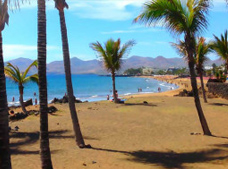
89 21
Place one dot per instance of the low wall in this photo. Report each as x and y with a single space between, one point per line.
220 89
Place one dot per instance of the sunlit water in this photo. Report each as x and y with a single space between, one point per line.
88 87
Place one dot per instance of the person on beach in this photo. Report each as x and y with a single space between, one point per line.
159 89
116 94
13 99
35 101
107 97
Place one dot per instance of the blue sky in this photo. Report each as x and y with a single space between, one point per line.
97 20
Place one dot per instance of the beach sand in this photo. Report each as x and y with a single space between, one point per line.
165 133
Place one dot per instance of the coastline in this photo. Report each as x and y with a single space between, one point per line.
101 95
164 78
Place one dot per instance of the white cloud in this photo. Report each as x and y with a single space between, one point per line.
119 32
114 10
133 31
95 9
13 51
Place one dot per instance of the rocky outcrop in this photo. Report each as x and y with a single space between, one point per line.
28 103
220 89
185 93
64 100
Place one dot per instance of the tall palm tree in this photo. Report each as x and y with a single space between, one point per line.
111 55
187 18
21 78
220 46
46 162
5 161
60 5
202 49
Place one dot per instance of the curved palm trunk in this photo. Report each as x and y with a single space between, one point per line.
114 87
5 161
202 86
66 57
189 41
21 91
44 136
202 118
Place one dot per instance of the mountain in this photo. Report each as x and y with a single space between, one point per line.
22 64
79 66
158 62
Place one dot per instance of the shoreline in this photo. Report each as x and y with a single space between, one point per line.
97 98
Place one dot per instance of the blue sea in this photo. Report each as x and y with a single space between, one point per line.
88 87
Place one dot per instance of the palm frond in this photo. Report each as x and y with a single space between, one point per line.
200 10
181 49
34 63
33 78
220 46
112 53
177 16
11 74
202 50
14 71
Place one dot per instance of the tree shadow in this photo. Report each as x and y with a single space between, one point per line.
220 136
218 104
29 138
171 160
221 145
140 104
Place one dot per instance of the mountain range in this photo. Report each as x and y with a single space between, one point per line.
79 66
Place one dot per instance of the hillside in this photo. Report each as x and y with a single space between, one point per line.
79 66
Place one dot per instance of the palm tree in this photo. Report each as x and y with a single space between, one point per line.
202 49
220 46
187 18
42 52
21 78
111 55
60 5
5 161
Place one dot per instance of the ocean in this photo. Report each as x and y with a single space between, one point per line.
87 87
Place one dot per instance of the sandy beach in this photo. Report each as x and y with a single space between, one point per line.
163 134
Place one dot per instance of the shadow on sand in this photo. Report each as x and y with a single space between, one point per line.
172 159
25 139
140 104
218 104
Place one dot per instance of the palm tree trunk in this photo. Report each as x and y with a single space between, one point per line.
202 118
21 91
202 86
44 136
114 87
5 162
190 47
66 57
226 67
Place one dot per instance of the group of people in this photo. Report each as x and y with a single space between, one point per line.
35 99
108 97
139 89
